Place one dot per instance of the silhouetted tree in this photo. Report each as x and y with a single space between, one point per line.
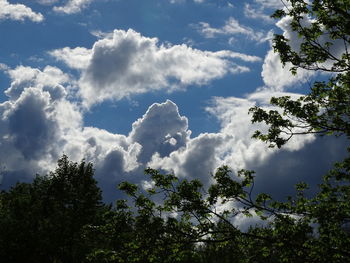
43 221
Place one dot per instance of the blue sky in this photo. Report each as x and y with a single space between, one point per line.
129 84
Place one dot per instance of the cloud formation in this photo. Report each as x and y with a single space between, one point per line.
276 170
253 12
47 2
160 130
272 4
125 63
34 132
33 121
278 76
18 12
231 28
182 1
73 6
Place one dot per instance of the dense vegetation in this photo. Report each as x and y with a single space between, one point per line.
60 217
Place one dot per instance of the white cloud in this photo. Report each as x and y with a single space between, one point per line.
67 6
31 134
232 145
160 130
182 1
233 114
4 67
279 77
241 56
18 12
77 58
272 4
231 28
263 9
50 79
257 13
34 132
47 2
37 126
126 63
198 159
275 74
73 6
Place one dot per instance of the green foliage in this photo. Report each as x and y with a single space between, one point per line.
325 110
329 23
300 229
42 221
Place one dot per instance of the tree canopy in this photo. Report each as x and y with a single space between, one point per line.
323 30
43 221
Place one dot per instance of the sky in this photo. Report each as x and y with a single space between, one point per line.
130 84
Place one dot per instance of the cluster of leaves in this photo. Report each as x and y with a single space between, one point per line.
324 44
327 26
300 229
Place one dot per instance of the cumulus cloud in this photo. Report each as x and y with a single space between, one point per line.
30 127
274 73
125 63
231 28
37 126
18 12
34 132
68 6
337 48
31 121
304 158
49 79
276 170
197 160
160 130
233 115
77 58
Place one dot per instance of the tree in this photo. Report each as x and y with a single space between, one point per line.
324 48
139 233
43 221
301 229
